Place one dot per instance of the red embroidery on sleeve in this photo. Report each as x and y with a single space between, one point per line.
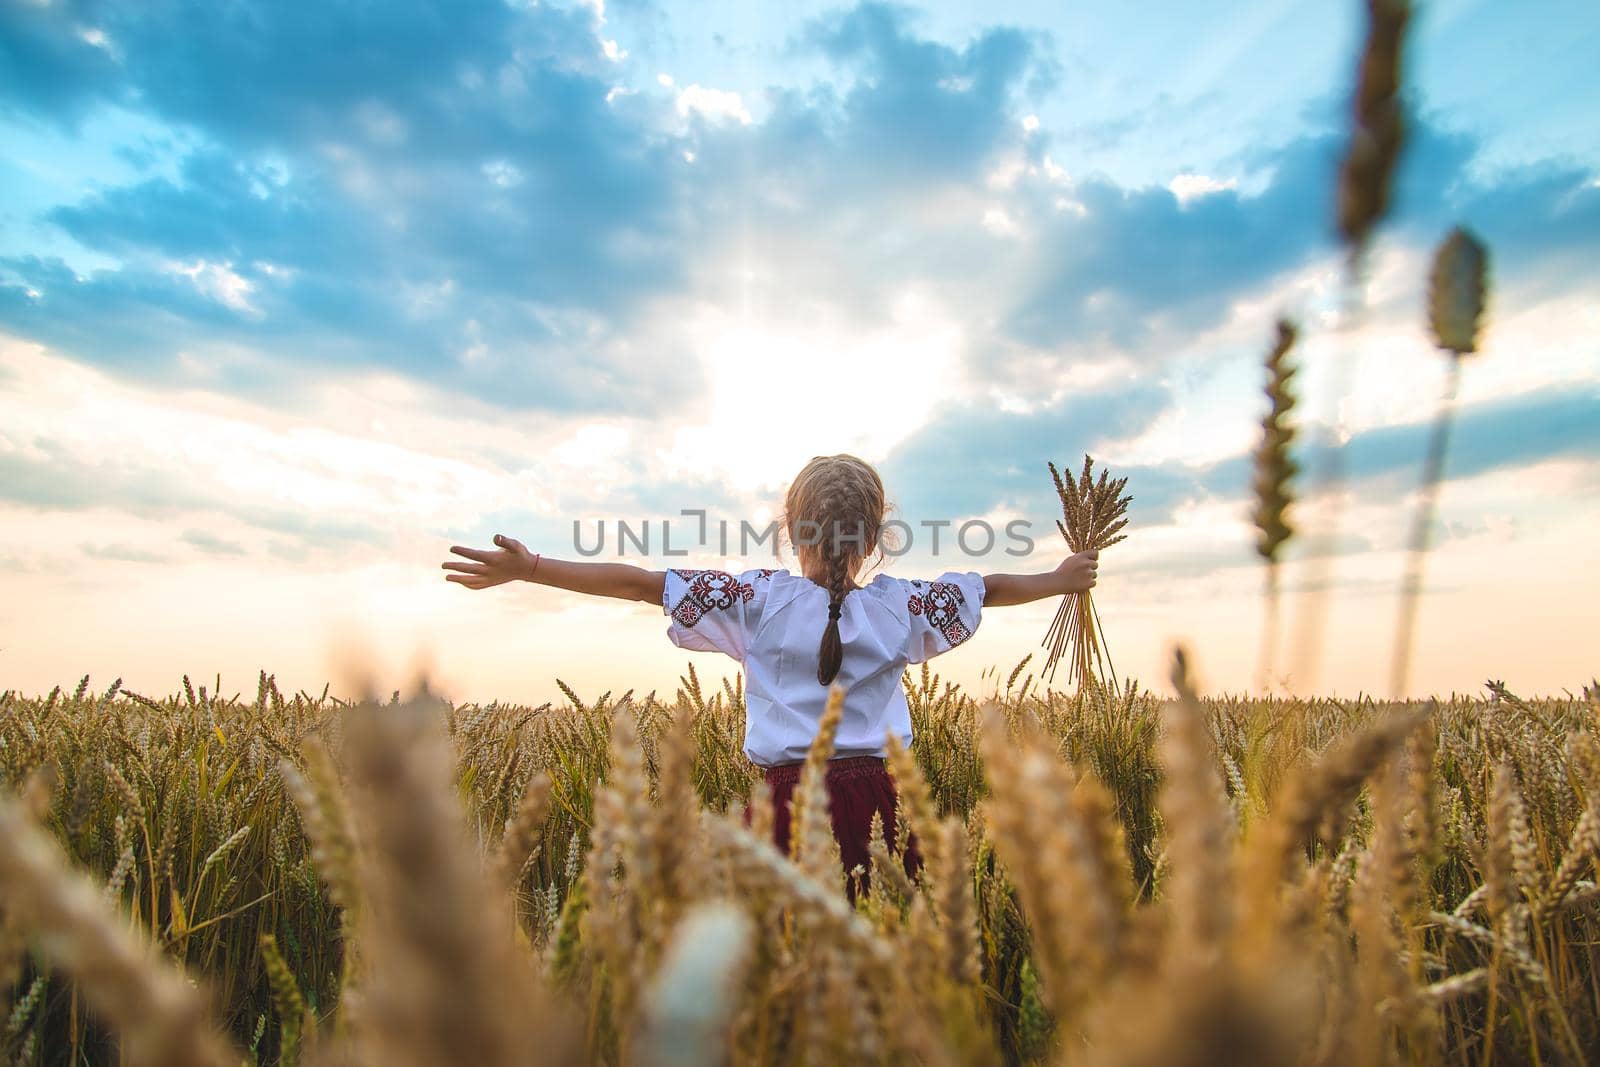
709 590
942 603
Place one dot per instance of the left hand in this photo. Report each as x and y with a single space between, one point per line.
491 567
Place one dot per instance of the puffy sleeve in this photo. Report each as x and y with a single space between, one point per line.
712 610
942 613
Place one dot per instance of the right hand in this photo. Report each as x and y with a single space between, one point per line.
1078 571
508 563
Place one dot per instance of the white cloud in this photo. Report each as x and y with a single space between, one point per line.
594 447
1005 173
376 451
1187 187
96 37
715 104
219 282
502 173
428 298
476 351
1384 365
999 223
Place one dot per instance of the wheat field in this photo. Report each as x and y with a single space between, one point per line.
1111 876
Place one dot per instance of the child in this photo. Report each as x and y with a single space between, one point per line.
797 634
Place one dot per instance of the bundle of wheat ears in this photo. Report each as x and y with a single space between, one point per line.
1091 514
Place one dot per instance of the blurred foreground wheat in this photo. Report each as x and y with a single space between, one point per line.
1109 878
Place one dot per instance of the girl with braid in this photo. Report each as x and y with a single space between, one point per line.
798 634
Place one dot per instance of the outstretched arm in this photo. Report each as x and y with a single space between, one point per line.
512 562
1075 574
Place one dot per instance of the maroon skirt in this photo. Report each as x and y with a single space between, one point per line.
858 787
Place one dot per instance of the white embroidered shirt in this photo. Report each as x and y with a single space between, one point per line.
772 621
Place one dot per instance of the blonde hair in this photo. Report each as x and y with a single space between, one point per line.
839 500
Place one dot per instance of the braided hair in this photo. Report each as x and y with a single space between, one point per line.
837 503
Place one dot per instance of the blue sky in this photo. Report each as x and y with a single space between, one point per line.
292 295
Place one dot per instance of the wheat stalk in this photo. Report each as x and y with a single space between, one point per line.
1092 513
1365 173
914 808
1057 863
521 835
1274 469
811 840
1198 828
1378 126
1457 291
161 1016
956 908
444 985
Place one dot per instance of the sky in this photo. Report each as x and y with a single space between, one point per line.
294 296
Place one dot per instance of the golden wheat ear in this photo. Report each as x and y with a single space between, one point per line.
520 839
1274 469
160 1013
1314 806
1052 848
1457 289
446 983
811 831
1092 514
915 808
1378 127
666 878
1199 827
1377 134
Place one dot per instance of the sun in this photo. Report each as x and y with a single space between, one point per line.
782 392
